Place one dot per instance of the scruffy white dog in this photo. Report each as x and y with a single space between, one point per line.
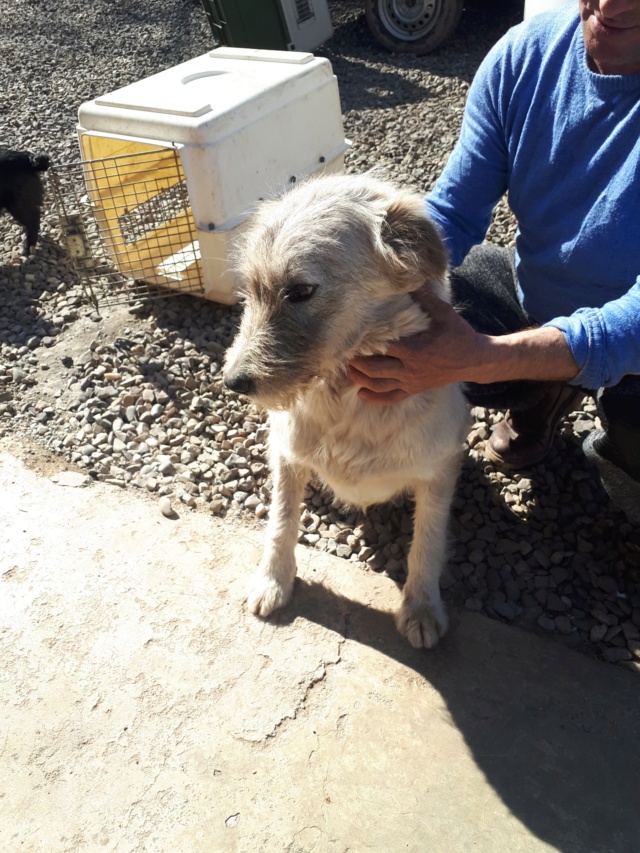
327 270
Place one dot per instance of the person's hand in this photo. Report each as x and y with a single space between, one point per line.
450 350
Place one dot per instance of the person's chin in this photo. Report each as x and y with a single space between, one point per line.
608 47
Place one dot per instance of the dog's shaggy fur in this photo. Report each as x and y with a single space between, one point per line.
21 191
327 271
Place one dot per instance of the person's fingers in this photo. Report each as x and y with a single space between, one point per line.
377 384
386 399
398 349
356 376
374 365
429 302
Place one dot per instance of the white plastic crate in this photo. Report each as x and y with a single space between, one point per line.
246 123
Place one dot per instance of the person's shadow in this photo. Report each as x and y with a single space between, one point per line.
560 748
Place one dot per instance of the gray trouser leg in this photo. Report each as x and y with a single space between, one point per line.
616 449
485 294
623 490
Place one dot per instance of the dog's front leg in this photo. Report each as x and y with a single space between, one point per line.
272 583
422 618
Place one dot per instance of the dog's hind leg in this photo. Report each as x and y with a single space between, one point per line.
272 584
422 618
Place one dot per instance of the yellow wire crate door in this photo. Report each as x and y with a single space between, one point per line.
138 195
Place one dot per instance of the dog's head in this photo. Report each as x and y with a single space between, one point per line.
319 266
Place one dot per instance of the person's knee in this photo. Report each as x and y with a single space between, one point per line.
484 291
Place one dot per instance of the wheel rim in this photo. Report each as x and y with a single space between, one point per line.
409 20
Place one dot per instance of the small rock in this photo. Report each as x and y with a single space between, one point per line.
541 558
165 507
633 665
563 625
634 647
72 479
555 603
558 574
512 589
376 561
607 618
546 623
608 584
476 556
506 609
217 506
615 655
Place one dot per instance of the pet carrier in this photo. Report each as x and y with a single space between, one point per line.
173 164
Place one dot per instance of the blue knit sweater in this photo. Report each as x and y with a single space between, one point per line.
565 143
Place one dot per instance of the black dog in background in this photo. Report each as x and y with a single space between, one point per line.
21 191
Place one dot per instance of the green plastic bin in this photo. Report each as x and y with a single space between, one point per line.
300 25
248 23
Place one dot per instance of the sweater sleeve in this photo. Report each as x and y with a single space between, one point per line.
605 342
475 177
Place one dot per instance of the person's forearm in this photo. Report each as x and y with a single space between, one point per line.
534 354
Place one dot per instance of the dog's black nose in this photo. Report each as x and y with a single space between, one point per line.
241 383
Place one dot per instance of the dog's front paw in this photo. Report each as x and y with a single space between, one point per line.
422 624
267 594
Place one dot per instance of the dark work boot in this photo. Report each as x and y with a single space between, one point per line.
523 438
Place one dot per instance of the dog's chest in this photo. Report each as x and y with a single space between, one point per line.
365 454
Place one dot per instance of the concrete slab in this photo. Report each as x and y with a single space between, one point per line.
144 710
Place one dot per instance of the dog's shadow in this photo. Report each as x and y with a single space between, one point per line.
22 286
564 763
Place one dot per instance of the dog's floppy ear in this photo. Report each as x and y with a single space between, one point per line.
411 245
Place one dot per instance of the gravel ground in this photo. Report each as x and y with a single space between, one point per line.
134 396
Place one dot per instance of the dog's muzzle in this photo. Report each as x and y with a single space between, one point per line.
240 382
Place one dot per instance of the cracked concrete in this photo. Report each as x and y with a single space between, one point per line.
144 710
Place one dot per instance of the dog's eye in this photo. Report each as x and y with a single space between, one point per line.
299 292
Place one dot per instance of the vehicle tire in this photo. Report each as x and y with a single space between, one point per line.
412 26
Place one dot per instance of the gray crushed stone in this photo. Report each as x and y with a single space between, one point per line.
134 397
